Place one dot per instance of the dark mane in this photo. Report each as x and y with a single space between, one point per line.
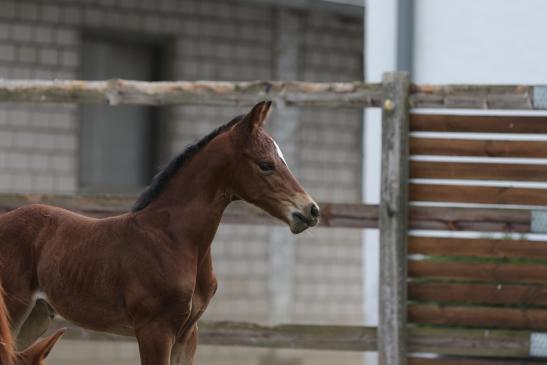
160 180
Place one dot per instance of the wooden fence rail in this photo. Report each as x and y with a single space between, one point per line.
332 214
445 341
342 94
350 94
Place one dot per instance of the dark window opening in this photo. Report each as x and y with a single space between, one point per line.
119 144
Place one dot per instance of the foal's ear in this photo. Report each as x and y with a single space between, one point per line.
37 352
256 118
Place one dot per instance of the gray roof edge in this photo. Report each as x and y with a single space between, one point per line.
353 8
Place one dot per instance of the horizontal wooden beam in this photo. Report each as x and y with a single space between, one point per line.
506 294
460 361
343 94
447 341
476 97
477 171
478 123
498 273
470 219
478 147
332 214
482 317
477 194
114 92
477 247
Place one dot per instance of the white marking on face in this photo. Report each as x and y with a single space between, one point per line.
279 152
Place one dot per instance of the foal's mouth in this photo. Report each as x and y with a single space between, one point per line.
300 222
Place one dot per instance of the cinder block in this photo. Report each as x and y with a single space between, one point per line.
7 52
17 161
43 34
20 72
65 184
71 15
44 184
5 30
50 13
49 56
69 58
27 11
8 9
24 140
62 163
66 36
5 181
27 54
21 182
39 162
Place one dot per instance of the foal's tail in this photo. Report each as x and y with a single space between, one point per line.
7 353
33 355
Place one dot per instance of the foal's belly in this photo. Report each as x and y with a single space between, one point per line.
92 315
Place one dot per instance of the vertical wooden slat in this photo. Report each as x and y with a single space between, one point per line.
392 342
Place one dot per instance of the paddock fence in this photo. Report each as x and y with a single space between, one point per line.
463 271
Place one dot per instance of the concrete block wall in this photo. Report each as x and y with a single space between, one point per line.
216 40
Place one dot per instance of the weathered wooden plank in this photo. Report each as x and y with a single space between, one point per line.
392 340
477 194
447 341
479 148
499 273
505 294
348 94
477 171
332 214
292 93
480 247
489 317
315 337
453 361
473 97
470 219
470 342
478 123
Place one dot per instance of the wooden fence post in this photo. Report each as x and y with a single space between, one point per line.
392 341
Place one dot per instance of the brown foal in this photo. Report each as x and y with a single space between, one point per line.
33 355
148 273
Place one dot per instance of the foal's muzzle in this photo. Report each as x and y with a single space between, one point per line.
308 217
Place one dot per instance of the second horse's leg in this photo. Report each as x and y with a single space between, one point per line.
36 323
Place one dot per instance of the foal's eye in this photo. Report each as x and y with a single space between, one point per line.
266 166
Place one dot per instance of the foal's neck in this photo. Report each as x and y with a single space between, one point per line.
194 198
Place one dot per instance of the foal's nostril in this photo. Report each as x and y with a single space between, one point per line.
314 210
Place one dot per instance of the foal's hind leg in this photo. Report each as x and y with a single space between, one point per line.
35 324
183 352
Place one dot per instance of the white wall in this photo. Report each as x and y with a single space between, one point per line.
380 56
480 41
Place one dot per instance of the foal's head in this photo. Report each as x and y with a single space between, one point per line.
261 175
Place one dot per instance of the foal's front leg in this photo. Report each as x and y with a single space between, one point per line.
184 350
155 343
